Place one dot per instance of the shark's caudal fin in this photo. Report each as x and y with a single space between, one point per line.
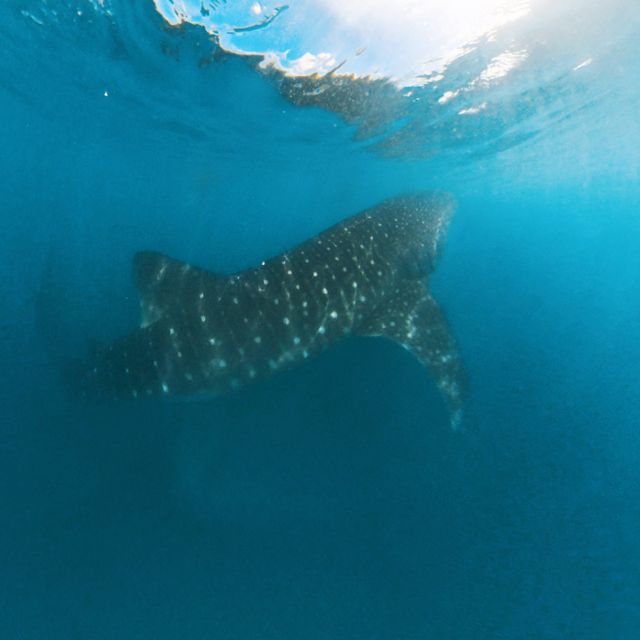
412 318
164 282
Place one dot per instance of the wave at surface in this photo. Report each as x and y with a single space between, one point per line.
503 85
509 86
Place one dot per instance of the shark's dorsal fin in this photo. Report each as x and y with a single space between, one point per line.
413 319
164 283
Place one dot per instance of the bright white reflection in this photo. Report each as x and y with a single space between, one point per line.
414 37
501 65
402 40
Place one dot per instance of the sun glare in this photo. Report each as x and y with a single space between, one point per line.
405 40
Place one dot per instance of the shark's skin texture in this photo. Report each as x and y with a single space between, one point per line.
205 333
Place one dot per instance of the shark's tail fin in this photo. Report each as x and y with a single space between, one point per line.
413 319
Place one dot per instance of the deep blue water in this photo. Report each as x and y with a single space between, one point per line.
332 501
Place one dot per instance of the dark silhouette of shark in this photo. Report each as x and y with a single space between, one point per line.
206 333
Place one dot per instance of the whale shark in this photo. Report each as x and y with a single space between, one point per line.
206 333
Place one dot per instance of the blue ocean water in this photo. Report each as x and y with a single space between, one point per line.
332 501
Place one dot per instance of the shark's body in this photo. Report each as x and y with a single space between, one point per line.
205 333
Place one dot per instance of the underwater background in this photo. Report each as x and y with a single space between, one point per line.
332 501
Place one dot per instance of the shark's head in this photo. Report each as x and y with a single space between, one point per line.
414 227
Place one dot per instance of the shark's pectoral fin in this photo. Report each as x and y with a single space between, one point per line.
164 283
412 318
